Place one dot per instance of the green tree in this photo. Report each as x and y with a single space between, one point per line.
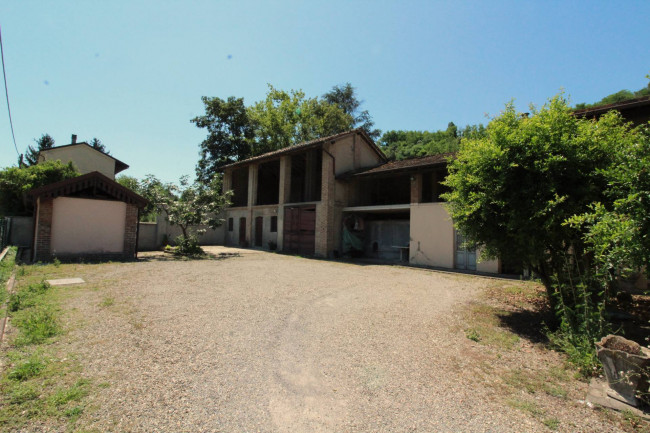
96 143
512 191
284 119
189 206
618 230
230 135
345 98
150 211
16 182
43 143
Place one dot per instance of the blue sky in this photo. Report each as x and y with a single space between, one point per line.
132 72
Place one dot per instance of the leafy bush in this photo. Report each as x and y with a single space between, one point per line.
36 325
26 297
188 246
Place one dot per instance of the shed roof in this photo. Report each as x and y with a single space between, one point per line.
412 164
305 146
95 181
119 165
620 106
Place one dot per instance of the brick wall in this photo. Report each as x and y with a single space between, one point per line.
42 247
130 232
43 230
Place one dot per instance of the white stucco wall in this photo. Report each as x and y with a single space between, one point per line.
84 158
87 226
432 236
432 239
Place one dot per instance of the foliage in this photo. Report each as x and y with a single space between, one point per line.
32 314
189 206
188 246
512 190
96 143
287 118
618 229
43 143
16 182
149 212
230 134
282 119
620 96
410 144
345 98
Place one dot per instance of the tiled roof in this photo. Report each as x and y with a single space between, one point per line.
403 165
304 146
96 180
623 105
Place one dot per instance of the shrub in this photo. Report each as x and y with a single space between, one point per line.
188 246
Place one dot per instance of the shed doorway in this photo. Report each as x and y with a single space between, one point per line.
300 230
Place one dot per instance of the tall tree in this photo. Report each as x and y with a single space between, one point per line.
96 143
43 143
512 191
284 119
344 97
230 135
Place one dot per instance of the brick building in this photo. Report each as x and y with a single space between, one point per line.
339 195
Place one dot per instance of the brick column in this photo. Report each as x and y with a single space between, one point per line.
252 199
43 241
416 188
130 231
325 210
283 197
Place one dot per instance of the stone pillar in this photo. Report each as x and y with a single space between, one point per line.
283 197
416 188
325 209
252 200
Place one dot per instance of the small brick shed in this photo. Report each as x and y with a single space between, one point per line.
87 217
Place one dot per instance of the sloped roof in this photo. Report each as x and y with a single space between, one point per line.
305 146
412 164
621 106
95 181
119 165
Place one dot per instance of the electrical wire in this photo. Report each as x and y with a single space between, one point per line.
4 74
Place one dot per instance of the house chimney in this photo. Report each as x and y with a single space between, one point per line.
74 138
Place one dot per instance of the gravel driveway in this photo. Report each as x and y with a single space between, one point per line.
273 343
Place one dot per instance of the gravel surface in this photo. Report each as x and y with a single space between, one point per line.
261 342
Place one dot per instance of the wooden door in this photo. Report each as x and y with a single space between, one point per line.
300 230
242 231
259 227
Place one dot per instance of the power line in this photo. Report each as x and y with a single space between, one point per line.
4 74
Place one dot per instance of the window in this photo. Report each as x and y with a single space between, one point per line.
274 224
230 224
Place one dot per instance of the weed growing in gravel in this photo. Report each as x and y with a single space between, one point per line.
526 406
552 423
107 301
26 369
485 327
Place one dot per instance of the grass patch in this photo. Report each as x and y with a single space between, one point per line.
38 382
526 406
545 381
484 327
107 301
551 423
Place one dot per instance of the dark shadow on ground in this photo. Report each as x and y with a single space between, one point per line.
527 324
166 257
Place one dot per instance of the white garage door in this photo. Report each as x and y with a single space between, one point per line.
87 226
